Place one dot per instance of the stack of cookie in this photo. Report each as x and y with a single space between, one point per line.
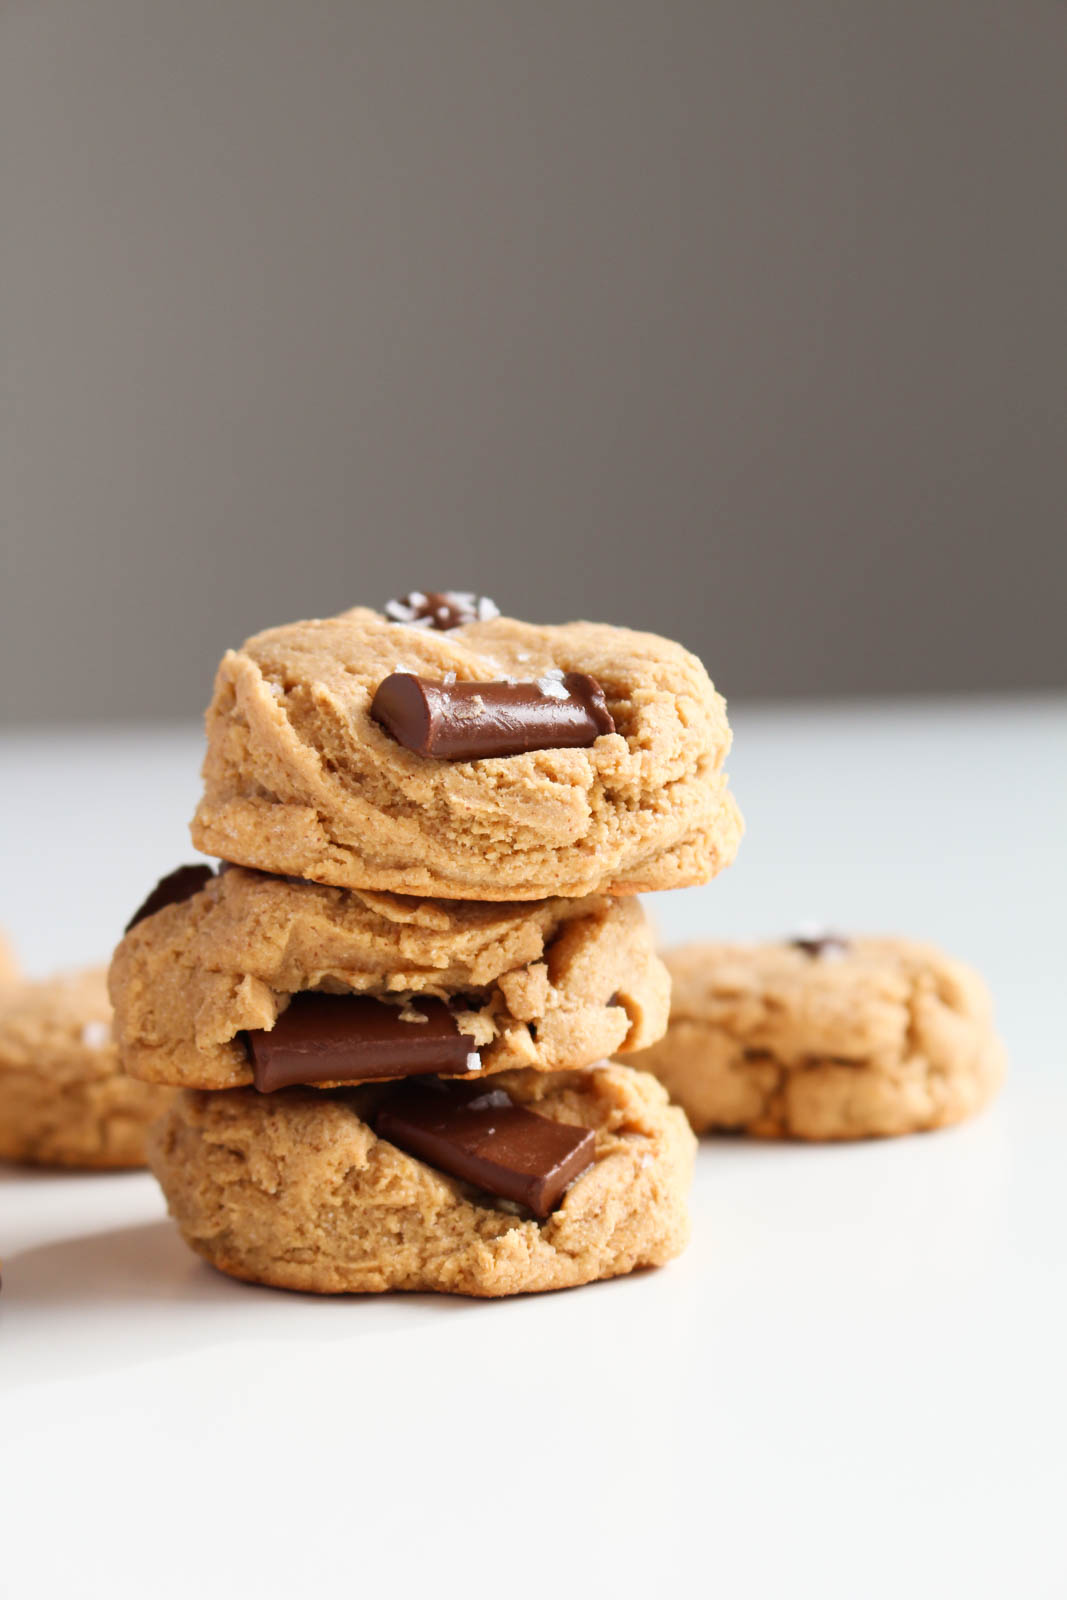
389 1010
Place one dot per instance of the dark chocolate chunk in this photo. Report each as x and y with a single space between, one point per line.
181 884
470 721
441 609
477 1133
351 1038
817 945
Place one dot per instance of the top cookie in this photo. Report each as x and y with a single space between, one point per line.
301 779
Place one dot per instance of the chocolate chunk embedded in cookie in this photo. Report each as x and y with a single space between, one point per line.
441 608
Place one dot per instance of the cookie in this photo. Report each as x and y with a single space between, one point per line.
300 778
64 1100
825 1039
297 1190
547 984
8 965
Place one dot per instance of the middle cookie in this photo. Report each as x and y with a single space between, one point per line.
460 988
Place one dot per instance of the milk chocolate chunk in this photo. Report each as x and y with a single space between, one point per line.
181 884
470 721
479 1134
350 1038
441 609
817 945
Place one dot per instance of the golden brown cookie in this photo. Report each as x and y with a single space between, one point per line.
64 1100
296 1190
300 779
8 965
835 1040
547 984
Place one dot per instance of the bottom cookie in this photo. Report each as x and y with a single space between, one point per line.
294 1189
825 1039
64 1099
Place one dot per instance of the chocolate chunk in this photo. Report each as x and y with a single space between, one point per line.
181 884
477 1133
470 721
817 945
350 1038
441 609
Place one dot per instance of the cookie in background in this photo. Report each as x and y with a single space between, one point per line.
825 1038
64 1098
9 969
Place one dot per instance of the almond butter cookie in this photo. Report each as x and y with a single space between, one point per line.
64 1099
590 1173
209 985
8 965
825 1038
426 754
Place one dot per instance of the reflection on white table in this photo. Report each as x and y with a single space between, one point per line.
851 1385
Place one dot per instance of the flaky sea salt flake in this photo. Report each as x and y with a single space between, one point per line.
553 687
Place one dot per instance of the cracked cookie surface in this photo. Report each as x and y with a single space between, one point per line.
64 1099
300 779
296 1190
547 984
884 1037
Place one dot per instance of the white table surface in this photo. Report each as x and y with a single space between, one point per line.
853 1383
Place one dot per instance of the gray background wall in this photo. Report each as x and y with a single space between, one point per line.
740 321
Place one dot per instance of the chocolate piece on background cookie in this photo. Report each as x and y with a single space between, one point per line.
64 1099
301 779
478 721
887 1037
819 945
548 984
296 1189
